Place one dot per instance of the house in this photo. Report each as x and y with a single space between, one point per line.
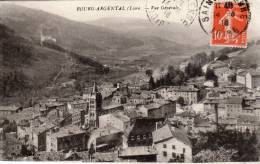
13 145
189 93
117 119
141 132
137 99
37 135
202 125
253 79
241 77
78 117
138 154
23 129
183 65
159 109
233 106
110 141
105 137
78 109
77 106
209 83
66 138
1 134
8 110
186 118
228 123
211 105
229 76
247 122
119 99
54 109
257 109
172 144
198 108
219 71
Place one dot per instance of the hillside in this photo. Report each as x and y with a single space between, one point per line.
248 57
174 32
68 33
27 67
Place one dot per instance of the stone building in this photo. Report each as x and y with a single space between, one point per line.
159 109
172 144
94 100
117 120
189 94
66 138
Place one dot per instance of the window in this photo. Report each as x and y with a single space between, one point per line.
173 155
183 150
173 147
164 153
164 146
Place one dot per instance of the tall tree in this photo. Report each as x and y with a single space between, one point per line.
149 72
151 83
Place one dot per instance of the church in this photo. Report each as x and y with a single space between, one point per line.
94 107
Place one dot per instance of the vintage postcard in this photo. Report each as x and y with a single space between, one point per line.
130 81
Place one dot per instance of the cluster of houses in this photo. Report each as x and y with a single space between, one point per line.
124 122
249 78
129 122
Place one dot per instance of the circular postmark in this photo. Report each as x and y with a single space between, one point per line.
161 12
233 15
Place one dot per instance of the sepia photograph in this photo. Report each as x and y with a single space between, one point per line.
130 81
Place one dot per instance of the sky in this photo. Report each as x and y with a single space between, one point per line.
68 9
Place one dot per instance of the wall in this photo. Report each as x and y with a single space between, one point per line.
166 110
169 149
241 79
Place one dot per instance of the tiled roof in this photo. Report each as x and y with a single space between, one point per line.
42 128
152 106
106 157
230 121
136 96
179 88
255 73
138 151
121 116
67 131
186 114
200 122
234 100
242 73
8 108
167 132
246 118
112 106
144 125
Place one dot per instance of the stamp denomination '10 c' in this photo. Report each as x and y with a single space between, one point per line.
230 22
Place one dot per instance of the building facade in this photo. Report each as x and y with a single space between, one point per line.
253 80
94 108
117 120
65 139
172 144
189 94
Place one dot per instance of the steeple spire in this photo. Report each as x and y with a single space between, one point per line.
95 89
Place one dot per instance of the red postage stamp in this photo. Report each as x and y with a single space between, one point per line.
230 22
